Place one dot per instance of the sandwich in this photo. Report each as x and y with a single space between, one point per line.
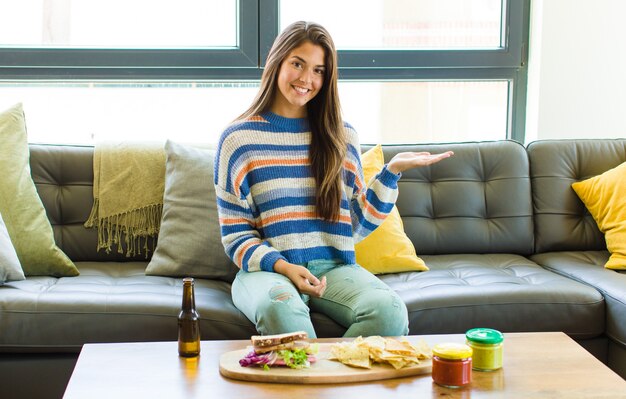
290 349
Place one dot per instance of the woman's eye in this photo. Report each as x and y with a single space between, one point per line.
319 71
297 64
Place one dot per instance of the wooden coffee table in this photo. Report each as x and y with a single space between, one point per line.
536 365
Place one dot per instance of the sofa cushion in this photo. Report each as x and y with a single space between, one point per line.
587 267
117 302
21 207
501 291
562 223
190 243
10 268
110 302
387 249
477 201
604 197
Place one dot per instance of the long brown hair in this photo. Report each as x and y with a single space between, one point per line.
328 138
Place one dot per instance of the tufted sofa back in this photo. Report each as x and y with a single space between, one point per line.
64 179
478 201
562 223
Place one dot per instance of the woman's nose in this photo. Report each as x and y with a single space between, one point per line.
306 76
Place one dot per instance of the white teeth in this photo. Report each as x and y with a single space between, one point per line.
301 90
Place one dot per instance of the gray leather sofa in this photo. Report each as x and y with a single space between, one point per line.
508 243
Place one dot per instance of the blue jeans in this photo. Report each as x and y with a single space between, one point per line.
354 298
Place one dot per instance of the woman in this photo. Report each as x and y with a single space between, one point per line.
292 201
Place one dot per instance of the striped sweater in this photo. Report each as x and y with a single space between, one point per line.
266 196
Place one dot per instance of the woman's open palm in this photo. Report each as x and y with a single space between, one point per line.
408 160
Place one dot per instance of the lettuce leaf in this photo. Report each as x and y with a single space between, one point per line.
294 358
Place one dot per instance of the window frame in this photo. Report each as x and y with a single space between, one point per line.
258 25
508 62
58 63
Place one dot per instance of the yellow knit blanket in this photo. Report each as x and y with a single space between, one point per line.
128 184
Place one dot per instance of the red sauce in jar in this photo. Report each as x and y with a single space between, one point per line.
452 365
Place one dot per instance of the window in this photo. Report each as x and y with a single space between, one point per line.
410 112
57 39
429 70
88 112
100 24
403 24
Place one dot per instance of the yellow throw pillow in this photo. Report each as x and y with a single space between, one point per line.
605 198
387 249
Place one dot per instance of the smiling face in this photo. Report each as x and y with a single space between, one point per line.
300 78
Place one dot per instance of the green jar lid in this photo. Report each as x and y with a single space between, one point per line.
484 336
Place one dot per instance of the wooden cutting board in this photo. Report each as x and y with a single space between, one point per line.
323 371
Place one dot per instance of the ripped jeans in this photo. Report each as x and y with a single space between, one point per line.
354 298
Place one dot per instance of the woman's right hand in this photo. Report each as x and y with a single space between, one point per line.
302 278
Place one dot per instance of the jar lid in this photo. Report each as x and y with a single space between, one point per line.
452 350
484 336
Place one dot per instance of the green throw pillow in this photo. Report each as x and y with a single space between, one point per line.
20 205
190 243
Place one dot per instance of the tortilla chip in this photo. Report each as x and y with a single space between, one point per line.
362 351
351 355
376 342
403 348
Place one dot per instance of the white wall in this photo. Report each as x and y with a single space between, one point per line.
577 69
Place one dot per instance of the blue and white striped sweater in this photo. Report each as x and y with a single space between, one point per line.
266 196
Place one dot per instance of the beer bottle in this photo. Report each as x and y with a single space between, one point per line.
188 326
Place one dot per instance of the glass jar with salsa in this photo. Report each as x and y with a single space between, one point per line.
452 365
